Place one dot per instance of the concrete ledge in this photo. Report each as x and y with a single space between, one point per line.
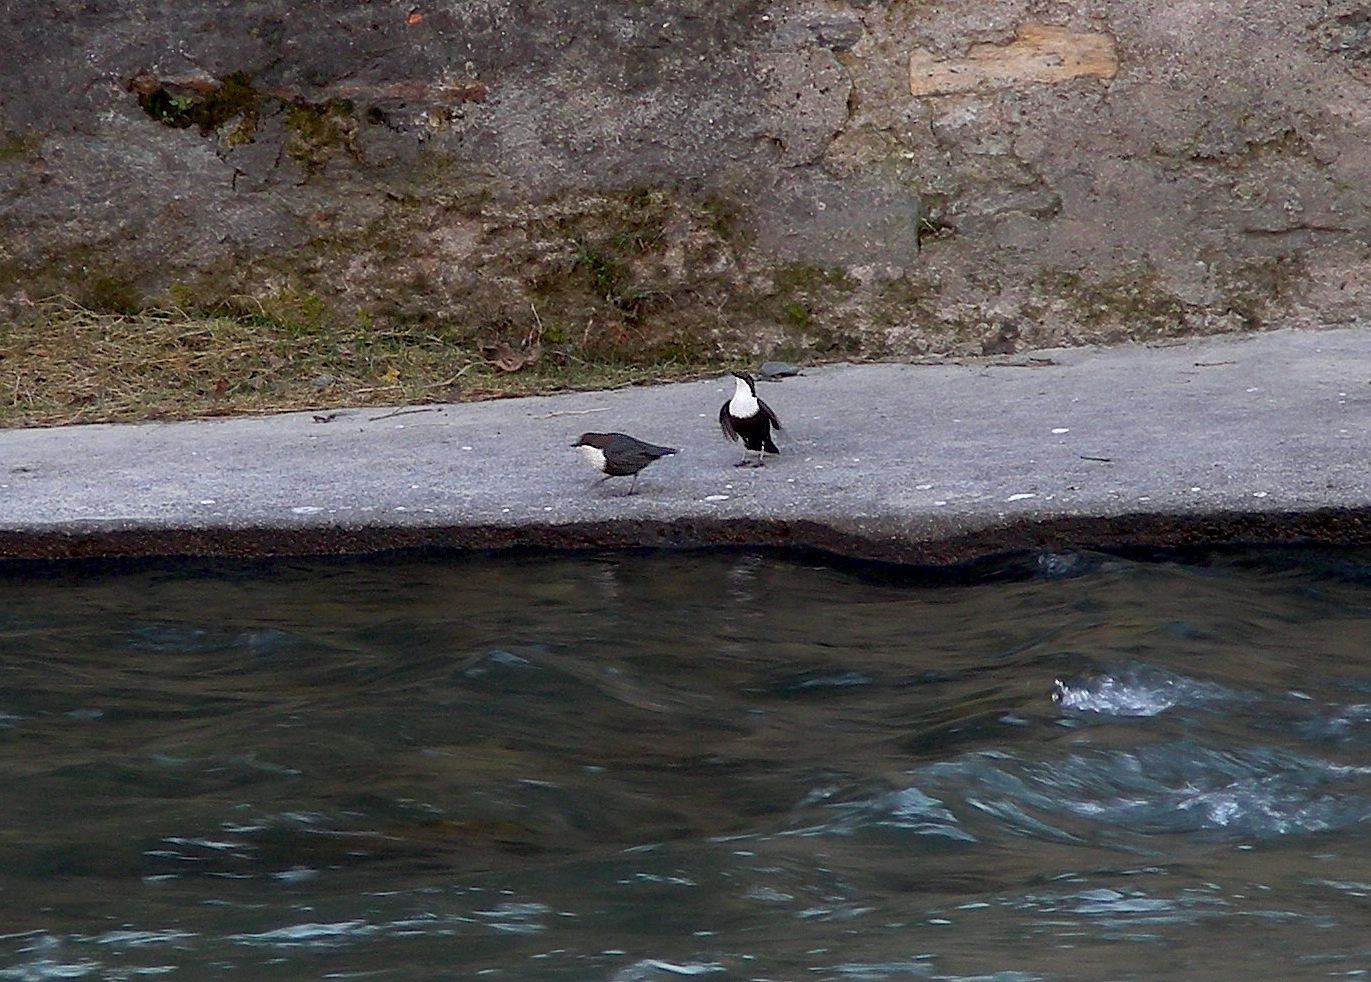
1260 439
1332 527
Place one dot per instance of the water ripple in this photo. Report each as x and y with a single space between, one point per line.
309 935
1172 787
654 767
650 969
907 809
1136 691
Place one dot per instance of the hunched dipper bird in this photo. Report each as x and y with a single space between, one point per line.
748 418
619 455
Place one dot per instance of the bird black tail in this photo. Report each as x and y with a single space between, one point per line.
770 445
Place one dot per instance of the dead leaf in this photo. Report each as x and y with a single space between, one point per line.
390 376
508 359
414 17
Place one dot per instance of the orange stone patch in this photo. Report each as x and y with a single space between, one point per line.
1038 53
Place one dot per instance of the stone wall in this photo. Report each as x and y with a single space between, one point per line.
890 178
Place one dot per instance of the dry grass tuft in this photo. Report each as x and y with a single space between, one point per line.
63 363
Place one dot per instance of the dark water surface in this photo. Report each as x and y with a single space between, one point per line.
678 766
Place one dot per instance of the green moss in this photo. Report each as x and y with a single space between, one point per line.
726 220
811 304
904 292
180 296
903 301
833 335
296 312
233 290
797 315
91 273
1138 301
209 110
1258 287
112 293
233 108
607 269
16 147
317 131
608 276
811 279
645 213
602 268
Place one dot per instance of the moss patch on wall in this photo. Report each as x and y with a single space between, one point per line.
207 105
319 131
1259 289
1138 300
447 295
84 274
810 305
1138 305
458 287
233 108
19 147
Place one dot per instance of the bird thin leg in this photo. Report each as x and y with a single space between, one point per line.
632 486
760 462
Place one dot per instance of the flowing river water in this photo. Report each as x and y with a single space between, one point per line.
725 766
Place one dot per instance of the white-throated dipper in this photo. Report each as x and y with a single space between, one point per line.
619 455
747 418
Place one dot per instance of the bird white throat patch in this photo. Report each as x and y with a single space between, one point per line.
743 404
594 455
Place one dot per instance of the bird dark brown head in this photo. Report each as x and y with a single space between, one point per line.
751 385
597 440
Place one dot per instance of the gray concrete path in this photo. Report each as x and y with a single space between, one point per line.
897 454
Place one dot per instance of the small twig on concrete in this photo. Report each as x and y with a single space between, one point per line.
1212 364
405 412
1026 363
574 412
1102 460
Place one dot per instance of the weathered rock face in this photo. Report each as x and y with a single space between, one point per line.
888 177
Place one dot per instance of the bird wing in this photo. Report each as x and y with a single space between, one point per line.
726 423
769 413
630 444
627 455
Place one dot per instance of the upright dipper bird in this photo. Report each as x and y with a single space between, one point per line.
619 455
747 417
